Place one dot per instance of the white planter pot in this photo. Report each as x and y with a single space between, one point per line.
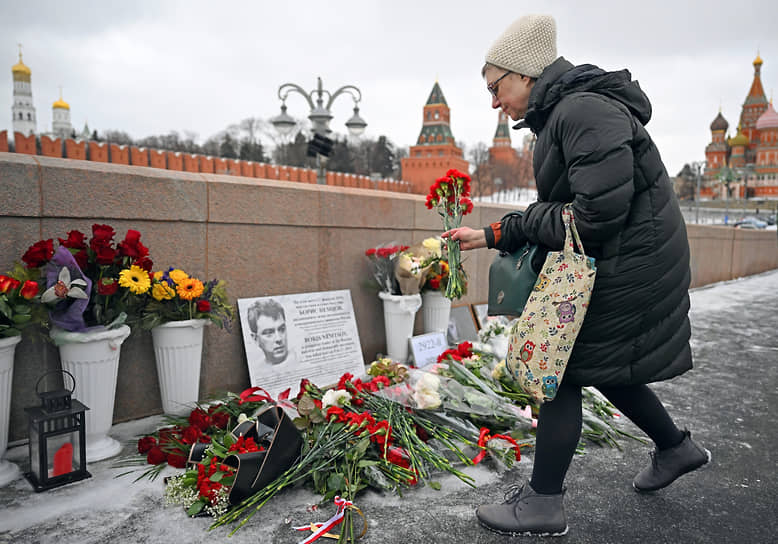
8 470
399 315
93 360
178 347
435 311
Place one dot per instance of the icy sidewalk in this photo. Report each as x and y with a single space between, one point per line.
726 401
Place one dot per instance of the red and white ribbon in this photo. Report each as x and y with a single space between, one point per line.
484 437
323 528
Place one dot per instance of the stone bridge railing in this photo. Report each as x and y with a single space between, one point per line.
263 237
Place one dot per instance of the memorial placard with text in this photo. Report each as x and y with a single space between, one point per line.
305 335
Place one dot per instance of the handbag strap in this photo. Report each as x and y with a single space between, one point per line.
569 220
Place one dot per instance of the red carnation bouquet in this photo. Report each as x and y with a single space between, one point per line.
450 196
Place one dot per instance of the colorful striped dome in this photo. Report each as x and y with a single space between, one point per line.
769 119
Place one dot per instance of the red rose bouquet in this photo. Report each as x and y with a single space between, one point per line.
450 196
175 296
89 283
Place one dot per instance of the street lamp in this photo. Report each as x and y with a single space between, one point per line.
698 167
320 115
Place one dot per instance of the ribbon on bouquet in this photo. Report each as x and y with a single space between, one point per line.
484 437
322 529
258 394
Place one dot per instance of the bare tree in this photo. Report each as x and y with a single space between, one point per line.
482 179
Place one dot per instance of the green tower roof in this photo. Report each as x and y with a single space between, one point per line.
436 96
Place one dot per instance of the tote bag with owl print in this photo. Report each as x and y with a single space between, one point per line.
542 338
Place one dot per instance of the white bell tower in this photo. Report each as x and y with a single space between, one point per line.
60 118
23 111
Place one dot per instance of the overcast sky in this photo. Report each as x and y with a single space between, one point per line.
151 67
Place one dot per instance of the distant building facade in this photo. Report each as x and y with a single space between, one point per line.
435 151
747 161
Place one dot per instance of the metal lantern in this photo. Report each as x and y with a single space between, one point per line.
57 434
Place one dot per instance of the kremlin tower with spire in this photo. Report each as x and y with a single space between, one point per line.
435 151
749 159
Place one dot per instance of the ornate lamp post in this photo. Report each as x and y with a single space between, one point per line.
320 115
698 168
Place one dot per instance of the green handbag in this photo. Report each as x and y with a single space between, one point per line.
511 279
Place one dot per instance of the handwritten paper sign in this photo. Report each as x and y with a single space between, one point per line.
425 348
306 335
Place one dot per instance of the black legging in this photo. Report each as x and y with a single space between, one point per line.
559 428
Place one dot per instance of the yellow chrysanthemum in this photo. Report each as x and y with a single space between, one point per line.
162 291
190 288
178 275
135 279
158 275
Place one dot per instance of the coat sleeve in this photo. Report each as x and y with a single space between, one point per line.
506 234
595 138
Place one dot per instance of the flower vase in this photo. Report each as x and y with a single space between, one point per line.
92 357
399 315
435 311
178 347
8 470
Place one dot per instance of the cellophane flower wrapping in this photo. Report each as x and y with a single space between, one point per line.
383 260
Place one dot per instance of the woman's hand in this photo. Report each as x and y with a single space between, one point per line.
468 238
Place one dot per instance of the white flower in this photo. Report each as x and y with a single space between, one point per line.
425 391
500 371
242 418
335 397
433 245
64 288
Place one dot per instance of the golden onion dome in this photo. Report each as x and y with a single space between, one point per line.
758 60
738 139
61 104
20 68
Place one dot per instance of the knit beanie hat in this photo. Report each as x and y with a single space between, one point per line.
526 47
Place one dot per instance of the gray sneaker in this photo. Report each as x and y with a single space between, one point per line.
667 465
525 513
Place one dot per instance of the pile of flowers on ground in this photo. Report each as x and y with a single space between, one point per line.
395 428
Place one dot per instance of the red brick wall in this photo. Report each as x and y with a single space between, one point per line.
75 149
157 159
206 164
175 161
247 169
191 163
139 156
120 154
233 165
51 148
25 144
219 166
4 141
98 152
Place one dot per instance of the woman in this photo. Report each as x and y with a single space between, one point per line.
593 151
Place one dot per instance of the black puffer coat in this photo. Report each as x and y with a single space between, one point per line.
592 150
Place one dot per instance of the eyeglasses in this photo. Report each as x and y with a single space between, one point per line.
493 85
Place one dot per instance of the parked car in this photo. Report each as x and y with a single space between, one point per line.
750 223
